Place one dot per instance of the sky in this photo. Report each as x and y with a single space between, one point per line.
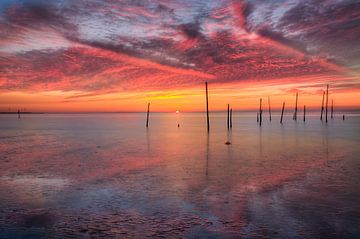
117 55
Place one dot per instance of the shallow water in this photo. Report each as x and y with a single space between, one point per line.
106 175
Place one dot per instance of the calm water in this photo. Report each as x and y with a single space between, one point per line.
106 175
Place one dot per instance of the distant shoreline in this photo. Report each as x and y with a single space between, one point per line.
183 112
13 113
162 112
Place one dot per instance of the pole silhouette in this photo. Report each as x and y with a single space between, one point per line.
231 118
282 112
327 102
207 108
228 116
260 113
269 107
322 106
147 116
304 112
332 109
296 108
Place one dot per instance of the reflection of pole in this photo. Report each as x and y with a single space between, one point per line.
322 106
18 113
207 154
147 116
269 107
282 113
207 108
327 102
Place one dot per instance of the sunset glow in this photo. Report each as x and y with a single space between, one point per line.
111 56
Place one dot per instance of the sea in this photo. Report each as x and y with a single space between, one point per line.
105 175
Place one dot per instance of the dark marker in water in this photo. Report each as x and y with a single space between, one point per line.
296 108
207 108
269 107
322 106
260 111
327 101
228 116
282 113
147 116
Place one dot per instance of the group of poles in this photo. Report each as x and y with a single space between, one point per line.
260 112
259 119
259 116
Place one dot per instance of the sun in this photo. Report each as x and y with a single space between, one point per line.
177 112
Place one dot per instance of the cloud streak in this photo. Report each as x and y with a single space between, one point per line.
98 47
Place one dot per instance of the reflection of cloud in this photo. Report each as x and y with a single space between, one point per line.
36 182
31 189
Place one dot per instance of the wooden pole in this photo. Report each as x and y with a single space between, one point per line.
295 112
260 113
327 102
257 117
207 108
304 112
269 107
231 118
282 112
322 106
228 117
332 108
147 116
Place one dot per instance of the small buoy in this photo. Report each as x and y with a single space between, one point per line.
178 125
227 143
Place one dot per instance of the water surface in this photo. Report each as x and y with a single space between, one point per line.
106 175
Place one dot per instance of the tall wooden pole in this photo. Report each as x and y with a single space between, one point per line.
322 106
332 108
207 108
231 118
228 117
269 107
296 108
147 116
304 112
327 102
282 112
260 113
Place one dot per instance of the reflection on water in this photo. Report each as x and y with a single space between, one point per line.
107 175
